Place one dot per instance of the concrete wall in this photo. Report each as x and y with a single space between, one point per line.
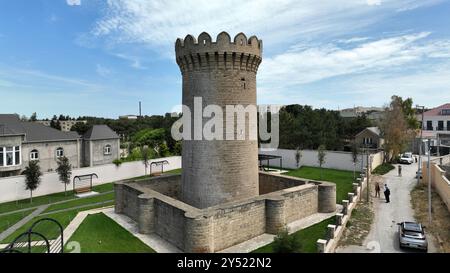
334 159
13 188
438 179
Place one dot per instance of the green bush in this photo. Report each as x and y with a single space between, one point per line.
283 243
383 169
117 162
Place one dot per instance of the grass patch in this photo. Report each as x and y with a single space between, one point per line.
48 229
81 202
307 237
100 234
440 226
7 221
383 169
358 227
342 179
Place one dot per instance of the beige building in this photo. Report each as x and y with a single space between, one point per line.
66 125
370 138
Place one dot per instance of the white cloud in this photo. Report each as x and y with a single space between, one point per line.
102 71
135 62
318 63
73 2
158 23
373 2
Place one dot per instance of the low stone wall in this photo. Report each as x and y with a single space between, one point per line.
335 232
219 227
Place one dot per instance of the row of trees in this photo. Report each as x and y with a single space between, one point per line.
33 174
308 128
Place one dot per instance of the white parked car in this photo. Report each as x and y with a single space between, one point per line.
406 158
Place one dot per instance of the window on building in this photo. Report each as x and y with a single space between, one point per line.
9 156
2 154
440 125
429 125
448 125
17 155
367 140
107 150
445 112
59 152
34 155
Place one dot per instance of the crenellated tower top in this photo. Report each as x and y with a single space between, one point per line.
204 54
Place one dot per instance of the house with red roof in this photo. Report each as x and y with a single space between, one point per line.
436 127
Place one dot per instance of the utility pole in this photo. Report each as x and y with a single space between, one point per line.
429 181
419 167
368 174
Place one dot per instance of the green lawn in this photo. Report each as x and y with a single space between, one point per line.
81 202
383 169
100 234
307 237
342 179
48 199
7 221
64 218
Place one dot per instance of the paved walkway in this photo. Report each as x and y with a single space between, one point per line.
38 211
22 222
383 236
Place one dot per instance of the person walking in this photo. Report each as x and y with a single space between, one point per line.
387 193
400 170
377 190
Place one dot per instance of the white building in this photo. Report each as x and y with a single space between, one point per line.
436 126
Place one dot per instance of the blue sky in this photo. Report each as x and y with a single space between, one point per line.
93 57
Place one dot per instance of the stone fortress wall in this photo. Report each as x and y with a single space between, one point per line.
154 203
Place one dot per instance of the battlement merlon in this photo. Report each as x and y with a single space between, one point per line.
241 53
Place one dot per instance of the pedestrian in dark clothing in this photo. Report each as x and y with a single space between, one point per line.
399 170
387 193
377 190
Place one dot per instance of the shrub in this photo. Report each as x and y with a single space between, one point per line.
284 243
117 162
383 169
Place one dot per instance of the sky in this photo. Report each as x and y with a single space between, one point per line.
100 58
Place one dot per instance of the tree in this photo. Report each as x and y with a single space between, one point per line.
398 127
298 156
355 153
321 156
284 243
33 117
145 153
80 127
32 177
55 124
64 171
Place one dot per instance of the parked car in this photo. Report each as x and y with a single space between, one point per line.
406 158
412 235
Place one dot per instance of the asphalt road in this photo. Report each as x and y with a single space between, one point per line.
383 236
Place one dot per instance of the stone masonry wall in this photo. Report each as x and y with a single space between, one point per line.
215 228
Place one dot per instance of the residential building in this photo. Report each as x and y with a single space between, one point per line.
129 117
370 137
101 145
66 125
22 141
436 127
372 113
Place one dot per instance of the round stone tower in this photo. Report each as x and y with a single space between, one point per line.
221 73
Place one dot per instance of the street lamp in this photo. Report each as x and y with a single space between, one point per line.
419 167
429 181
